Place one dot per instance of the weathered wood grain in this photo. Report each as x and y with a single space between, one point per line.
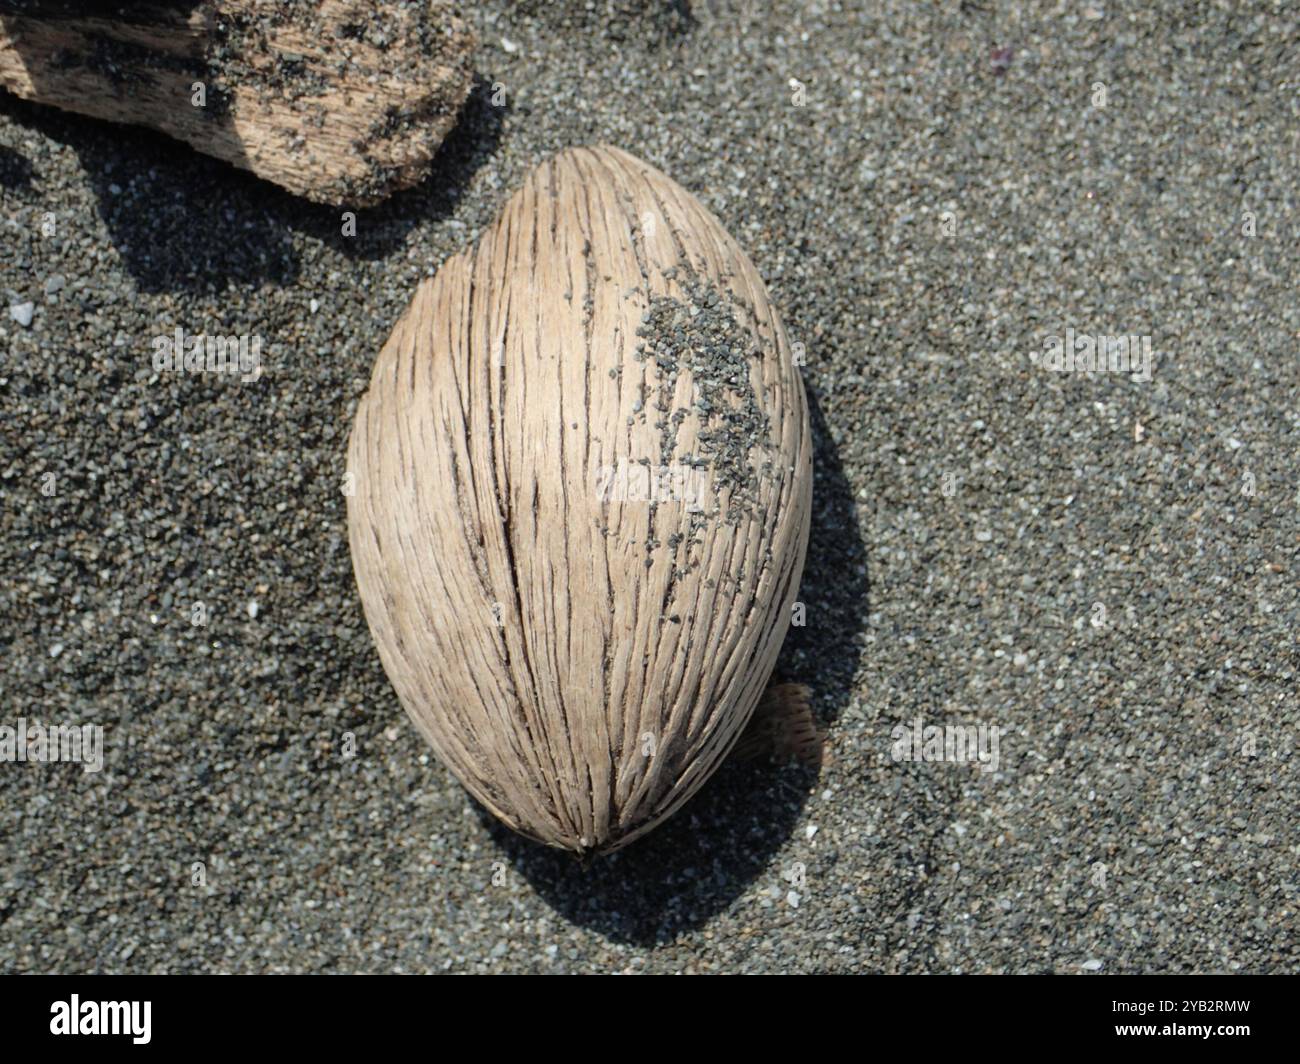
340 101
583 663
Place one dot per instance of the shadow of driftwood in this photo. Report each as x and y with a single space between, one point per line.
697 863
15 169
182 221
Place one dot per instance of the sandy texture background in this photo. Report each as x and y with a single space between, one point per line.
935 209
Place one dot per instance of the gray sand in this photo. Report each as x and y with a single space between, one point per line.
1103 569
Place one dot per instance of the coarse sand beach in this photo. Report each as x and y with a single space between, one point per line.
1097 572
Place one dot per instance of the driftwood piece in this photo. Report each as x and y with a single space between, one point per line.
340 101
583 487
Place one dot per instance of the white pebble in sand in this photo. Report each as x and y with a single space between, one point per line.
22 313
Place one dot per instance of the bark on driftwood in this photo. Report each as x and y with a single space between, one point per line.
340 101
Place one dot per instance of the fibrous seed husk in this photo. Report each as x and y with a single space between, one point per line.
582 495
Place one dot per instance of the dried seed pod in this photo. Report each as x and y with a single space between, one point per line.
583 487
